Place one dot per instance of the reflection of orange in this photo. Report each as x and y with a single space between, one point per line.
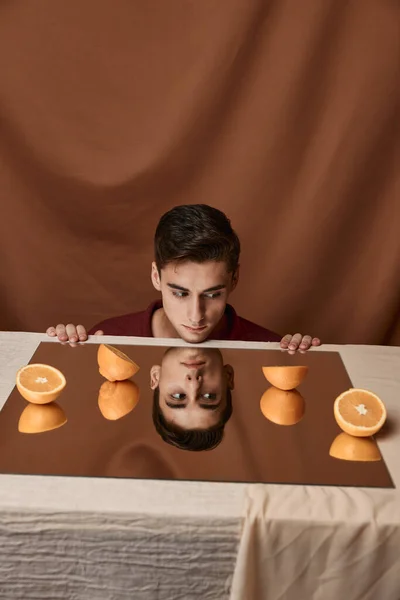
285 378
37 418
348 447
39 383
114 365
282 407
117 398
359 412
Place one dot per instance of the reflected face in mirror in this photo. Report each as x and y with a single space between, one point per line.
193 384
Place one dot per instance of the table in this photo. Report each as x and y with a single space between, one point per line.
79 538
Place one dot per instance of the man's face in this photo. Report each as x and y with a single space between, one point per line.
194 296
193 384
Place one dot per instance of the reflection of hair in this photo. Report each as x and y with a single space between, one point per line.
198 233
190 439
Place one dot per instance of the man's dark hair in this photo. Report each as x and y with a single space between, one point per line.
196 232
190 439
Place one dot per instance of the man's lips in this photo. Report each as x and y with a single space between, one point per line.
193 363
195 328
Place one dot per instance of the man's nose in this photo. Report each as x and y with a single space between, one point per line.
196 312
194 376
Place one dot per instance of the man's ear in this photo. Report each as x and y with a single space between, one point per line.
230 376
155 277
235 278
155 376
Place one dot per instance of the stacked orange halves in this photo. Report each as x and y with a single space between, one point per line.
40 385
282 403
118 396
360 414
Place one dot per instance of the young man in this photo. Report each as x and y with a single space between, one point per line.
196 268
192 397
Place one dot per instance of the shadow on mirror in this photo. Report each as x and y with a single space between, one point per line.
192 398
141 461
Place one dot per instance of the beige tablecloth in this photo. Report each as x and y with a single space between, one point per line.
77 538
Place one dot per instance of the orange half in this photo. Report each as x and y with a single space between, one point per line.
37 418
360 449
117 398
359 412
285 378
40 383
282 407
114 365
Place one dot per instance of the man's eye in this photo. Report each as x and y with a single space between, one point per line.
210 396
212 296
178 396
178 294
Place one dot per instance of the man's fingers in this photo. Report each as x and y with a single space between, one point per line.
305 342
71 332
99 332
285 341
296 339
298 342
61 333
81 332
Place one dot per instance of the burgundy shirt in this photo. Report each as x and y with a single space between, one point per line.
139 324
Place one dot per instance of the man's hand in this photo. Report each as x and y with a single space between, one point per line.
70 333
298 342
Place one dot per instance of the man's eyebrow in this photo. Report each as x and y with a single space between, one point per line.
215 288
206 406
171 405
173 286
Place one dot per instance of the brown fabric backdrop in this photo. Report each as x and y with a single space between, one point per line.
282 113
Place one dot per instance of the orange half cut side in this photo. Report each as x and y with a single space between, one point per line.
359 412
39 383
